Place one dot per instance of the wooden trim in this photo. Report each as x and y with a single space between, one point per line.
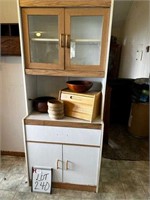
25 35
101 12
70 186
43 142
62 124
98 74
64 3
105 31
25 22
33 122
13 153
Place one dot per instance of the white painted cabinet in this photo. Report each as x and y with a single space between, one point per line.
81 164
46 155
71 146
67 135
72 161
71 164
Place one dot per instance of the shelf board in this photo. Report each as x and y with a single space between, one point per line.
86 41
45 39
67 3
48 72
36 118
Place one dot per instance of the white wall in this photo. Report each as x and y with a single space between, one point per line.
12 105
8 11
120 12
135 61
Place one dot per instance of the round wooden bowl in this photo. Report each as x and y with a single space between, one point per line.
79 86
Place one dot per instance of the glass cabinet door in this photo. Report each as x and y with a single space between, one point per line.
86 38
43 30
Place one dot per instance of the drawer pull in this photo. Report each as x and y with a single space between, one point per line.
67 166
62 40
58 164
67 41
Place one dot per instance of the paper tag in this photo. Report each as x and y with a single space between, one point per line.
41 180
72 50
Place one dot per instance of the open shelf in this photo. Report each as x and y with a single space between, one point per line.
37 118
45 39
86 41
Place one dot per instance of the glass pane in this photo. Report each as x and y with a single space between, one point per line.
44 40
86 34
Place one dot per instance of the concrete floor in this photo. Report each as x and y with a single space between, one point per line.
119 180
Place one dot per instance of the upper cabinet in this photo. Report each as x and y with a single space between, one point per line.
43 38
65 41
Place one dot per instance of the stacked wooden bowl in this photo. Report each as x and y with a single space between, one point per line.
55 109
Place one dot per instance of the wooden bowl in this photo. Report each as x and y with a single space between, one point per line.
79 86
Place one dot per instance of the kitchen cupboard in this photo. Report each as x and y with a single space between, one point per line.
65 150
79 169
72 169
61 41
69 40
42 154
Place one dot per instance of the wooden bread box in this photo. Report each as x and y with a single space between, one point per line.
81 105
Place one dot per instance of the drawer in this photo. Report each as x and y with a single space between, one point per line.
63 135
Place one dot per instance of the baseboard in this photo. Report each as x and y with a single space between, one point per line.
69 186
13 153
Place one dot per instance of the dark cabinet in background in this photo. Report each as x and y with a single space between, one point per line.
121 98
10 43
114 59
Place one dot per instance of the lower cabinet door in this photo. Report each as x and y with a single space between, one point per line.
81 164
46 155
